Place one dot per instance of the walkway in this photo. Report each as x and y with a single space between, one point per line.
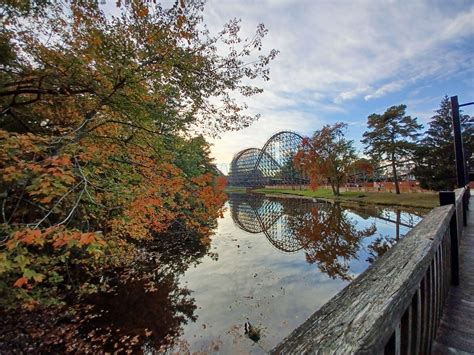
456 332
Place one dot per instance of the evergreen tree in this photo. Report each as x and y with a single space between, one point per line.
435 159
392 136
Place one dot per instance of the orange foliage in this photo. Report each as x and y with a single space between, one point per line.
20 282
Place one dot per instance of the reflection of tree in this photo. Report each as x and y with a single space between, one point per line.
379 247
325 231
405 218
147 307
140 313
330 238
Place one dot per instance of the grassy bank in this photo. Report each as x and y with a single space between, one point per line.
413 199
235 190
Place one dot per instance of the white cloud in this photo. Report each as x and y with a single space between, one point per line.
335 52
385 89
348 95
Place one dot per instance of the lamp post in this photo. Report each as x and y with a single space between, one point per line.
461 171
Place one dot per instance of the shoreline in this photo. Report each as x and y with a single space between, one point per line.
426 200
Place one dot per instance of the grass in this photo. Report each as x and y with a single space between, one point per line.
408 199
235 190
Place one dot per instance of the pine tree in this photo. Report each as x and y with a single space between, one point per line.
392 136
435 159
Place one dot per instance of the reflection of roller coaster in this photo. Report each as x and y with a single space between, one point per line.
271 165
258 214
255 214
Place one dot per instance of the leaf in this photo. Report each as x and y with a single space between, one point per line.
20 282
38 277
22 261
46 199
86 238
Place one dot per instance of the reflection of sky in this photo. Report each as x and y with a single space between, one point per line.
384 228
253 281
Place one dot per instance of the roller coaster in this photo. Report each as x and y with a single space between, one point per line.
270 165
273 164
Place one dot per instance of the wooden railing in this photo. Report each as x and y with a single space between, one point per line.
395 306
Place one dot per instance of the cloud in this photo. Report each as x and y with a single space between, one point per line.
335 54
348 95
385 89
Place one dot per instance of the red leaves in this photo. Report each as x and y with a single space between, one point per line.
86 238
20 282
29 237
57 237
62 160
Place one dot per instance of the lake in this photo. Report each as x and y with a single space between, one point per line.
269 265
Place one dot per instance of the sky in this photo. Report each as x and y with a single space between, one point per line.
344 60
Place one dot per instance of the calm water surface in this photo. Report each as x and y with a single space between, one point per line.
270 265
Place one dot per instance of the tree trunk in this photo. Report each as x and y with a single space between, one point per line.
395 176
334 192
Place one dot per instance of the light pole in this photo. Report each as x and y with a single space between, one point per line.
461 171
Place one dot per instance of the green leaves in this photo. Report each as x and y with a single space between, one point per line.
434 156
391 136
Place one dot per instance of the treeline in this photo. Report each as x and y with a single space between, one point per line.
392 137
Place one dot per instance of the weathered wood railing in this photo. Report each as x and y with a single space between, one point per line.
395 306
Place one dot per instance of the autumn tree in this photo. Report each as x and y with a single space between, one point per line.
96 117
392 136
362 168
327 157
435 159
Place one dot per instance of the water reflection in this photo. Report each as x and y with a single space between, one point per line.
147 309
324 230
180 297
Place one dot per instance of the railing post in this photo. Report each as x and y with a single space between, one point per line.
449 198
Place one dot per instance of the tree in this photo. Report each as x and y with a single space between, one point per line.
95 118
362 168
391 136
327 157
435 158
